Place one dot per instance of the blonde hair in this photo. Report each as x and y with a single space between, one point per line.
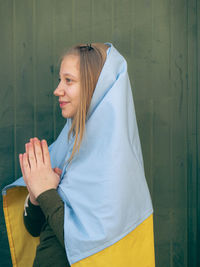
91 63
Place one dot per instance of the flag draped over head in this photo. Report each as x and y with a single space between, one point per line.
108 213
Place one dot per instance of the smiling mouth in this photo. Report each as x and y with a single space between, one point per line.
62 104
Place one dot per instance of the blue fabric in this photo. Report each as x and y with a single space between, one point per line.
104 190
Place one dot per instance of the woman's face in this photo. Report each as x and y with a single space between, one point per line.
68 89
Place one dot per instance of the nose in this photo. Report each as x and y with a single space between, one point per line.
58 91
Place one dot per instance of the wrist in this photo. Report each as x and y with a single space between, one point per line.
33 201
42 191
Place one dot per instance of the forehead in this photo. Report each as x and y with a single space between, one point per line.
70 65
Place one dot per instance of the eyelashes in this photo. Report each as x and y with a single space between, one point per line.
67 80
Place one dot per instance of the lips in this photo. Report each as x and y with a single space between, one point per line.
63 103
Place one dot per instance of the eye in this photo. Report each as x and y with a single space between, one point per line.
68 80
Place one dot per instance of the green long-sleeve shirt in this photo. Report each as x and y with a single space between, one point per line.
47 221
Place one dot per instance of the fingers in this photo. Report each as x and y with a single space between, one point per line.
38 151
25 164
23 173
21 166
46 155
31 155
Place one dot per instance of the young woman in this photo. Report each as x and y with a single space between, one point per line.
44 214
88 200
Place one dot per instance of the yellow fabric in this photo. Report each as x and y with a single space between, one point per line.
136 249
22 244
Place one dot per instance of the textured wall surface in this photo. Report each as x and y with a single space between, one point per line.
159 39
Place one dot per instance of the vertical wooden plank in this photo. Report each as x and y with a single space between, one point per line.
162 180
198 129
178 85
82 21
24 80
140 63
151 23
122 27
169 179
192 143
7 94
6 117
100 23
42 69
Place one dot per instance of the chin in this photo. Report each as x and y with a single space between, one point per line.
66 115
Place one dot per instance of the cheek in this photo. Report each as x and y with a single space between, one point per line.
74 93
69 90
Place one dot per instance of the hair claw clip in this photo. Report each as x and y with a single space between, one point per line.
89 47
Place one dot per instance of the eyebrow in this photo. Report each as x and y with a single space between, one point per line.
68 75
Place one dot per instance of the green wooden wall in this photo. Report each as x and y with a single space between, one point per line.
160 40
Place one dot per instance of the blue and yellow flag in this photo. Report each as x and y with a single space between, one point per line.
108 213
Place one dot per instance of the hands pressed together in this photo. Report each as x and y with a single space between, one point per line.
36 169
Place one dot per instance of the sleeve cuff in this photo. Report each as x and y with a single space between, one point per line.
49 201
